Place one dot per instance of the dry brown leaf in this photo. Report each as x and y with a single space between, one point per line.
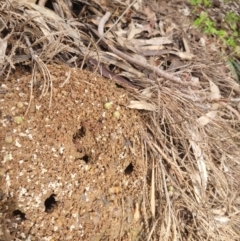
220 211
161 28
141 105
215 92
151 15
40 9
109 58
152 41
195 80
151 50
136 215
146 93
202 41
185 10
3 47
122 34
222 220
186 46
184 55
138 5
41 23
104 3
139 57
27 1
147 27
204 120
200 178
133 31
175 62
95 20
196 181
170 28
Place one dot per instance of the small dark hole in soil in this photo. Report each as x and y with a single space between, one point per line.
86 158
80 133
129 169
17 213
119 86
100 120
50 203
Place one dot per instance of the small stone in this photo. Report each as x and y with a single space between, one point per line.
9 95
8 139
20 105
18 120
107 105
7 157
116 114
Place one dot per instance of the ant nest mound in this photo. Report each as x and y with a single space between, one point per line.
73 171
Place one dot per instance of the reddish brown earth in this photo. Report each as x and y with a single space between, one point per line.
72 171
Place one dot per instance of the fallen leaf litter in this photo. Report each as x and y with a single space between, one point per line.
72 167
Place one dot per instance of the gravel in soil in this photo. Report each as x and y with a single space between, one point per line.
73 171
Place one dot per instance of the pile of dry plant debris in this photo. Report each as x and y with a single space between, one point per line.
180 124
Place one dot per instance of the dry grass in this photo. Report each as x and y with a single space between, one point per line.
193 161
197 171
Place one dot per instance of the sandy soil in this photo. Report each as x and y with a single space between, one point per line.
72 171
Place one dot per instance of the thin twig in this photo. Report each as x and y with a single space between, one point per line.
152 191
102 22
47 84
228 100
154 69
89 50
152 230
66 80
145 158
102 36
122 220
33 78
166 196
